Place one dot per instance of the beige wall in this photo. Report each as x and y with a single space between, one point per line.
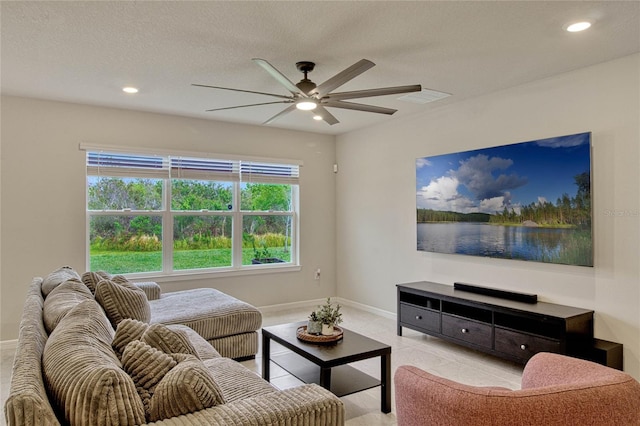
43 193
376 231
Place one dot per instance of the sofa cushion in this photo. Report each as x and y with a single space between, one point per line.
236 381
61 300
84 377
56 278
211 313
127 331
188 387
122 300
91 279
203 348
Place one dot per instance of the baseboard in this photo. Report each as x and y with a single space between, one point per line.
312 304
8 345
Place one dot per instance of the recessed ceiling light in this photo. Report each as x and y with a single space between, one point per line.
317 117
130 89
578 26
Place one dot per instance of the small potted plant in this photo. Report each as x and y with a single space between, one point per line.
314 325
329 316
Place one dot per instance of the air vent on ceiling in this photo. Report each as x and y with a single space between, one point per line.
424 96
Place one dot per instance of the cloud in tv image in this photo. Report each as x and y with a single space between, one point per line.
526 201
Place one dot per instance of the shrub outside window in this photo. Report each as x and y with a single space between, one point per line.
172 214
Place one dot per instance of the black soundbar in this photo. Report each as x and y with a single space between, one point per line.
503 294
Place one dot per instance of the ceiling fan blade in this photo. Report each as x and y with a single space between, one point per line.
240 90
280 114
373 92
250 105
281 78
359 107
326 115
342 77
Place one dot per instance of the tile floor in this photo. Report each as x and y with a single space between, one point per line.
363 408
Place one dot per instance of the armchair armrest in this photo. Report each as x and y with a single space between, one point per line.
151 289
308 405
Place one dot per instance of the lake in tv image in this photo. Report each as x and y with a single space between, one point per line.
526 201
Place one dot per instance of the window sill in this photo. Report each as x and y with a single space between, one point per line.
209 274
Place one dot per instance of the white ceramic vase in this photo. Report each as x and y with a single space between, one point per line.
327 329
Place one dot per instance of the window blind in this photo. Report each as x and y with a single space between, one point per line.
126 165
204 169
269 172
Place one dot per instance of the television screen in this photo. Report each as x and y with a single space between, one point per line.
526 201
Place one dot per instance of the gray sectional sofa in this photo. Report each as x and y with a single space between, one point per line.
97 351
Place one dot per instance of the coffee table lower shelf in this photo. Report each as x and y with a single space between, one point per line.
345 379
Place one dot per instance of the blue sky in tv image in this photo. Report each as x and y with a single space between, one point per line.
509 176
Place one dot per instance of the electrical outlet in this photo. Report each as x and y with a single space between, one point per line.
317 274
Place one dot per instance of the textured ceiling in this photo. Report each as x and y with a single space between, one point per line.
86 52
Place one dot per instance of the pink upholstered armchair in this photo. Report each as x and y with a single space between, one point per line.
556 390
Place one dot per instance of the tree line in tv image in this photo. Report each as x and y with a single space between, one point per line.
525 201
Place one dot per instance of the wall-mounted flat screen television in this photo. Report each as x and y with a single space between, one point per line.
525 201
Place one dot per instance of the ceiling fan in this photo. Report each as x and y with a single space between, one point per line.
307 96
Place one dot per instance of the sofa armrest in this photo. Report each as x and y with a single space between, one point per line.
151 289
308 405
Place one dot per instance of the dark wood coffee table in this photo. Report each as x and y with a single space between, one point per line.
326 364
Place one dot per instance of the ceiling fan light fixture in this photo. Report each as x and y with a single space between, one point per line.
306 105
578 26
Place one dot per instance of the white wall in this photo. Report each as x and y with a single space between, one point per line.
376 200
43 193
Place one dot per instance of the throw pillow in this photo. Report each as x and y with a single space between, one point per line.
84 377
121 301
61 300
146 366
91 279
127 331
168 341
56 278
188 387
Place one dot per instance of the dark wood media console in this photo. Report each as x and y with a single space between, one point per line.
506 328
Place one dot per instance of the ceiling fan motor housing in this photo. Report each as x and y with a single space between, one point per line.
305 85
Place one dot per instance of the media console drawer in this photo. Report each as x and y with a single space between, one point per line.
523 345
420 317
508 328
470 331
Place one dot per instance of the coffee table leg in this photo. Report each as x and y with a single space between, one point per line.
385 385
325 378
266 355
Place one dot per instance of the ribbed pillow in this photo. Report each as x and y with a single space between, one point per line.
127 331
56 278
91 279
83 375
168 341
146 366
122 300
188 387
61 300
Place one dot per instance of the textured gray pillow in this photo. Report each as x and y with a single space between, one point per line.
168 341
187 387
91 279
56 278
127 331
122 300
146 366
83 375
61 300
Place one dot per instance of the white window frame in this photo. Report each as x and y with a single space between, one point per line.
244 165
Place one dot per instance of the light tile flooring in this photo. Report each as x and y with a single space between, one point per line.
363 408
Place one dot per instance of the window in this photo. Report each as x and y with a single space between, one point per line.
178 214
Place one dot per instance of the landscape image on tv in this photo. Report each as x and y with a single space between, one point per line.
526 201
